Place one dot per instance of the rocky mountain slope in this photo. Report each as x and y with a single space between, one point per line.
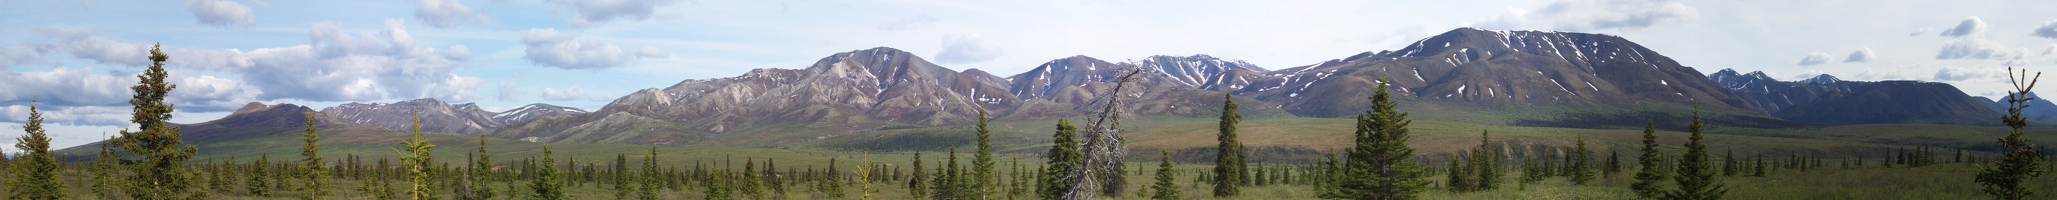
1474 69
439 117
255 119
1825 99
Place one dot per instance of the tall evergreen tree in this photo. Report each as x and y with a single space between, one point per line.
831 183
621 178
917 186
548 183
1228 161
946 186
482 173
1696 173
36 173
1487 162
2007 178
1729 163
159 169
1580 167
311 162
1377 165
649 188
1064 155
1166 187
1649 179
749 184
260 184
418 162
103 167
1613 163
982 164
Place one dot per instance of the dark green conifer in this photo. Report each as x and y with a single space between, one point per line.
311 165
157 152
1579 167
36 174
1696 175
1064 155
982 163
2007 178
1378 164
1228 160
1166 188
1649 180
548 183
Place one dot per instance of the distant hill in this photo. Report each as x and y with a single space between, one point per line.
1826 99
439 117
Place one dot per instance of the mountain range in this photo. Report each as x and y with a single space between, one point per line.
1536 78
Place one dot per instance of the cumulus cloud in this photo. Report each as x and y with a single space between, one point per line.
1862 55
1969 27
66 87
1979 48
595 12
1590 15
1815 59
446 13
335 64
1887 74
1951 73
909 23
75 115
547 47
967 49
574 93
222 13
652 52
509 92
19 55
2048 30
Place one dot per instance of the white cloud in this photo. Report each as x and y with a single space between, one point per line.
19 55
595 12
446 13
211 94
72 115
1970 26
652 52
550 48
1922 31
1815 59
66 87
967 49
2049 50
222 13
1591 15
2047 30
574 93
909 23
509 92
335 65
1951 73
1979 48
1887 74
1862 55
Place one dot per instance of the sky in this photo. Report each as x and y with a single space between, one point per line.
75 59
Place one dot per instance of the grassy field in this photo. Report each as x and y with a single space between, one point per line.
1286 140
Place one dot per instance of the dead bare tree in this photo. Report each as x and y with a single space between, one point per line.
1103 147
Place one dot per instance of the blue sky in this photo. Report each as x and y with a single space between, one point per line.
78 57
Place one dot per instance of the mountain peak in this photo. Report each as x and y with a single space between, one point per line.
1822 79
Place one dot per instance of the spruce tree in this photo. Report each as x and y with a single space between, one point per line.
1457 174
482 172
1378 167
418 163
260 184
982 164
946 183
1487 162
1696 175
311 162
1579 167
649 188
548 183
1649 179
36 174
1166 188
158 168
1613 163
1760 166
749 184
103 167
831 183
1064 155
1729 164
2007 178
621 177
918 185
1228 161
